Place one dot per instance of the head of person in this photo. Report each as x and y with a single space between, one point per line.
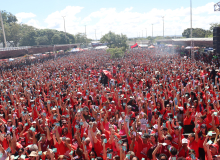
92 154
173 151
192 152
145 137
116 157
168 139
64 131
79 152
43 137
214 149
165 131
87 141
162 157
86 111
203 129
176 130
33 155
184 142
191 137
153 138
131 153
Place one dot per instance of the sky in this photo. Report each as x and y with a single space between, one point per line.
131 17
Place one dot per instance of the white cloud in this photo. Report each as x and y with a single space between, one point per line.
23 15
130 22
34 23
55 19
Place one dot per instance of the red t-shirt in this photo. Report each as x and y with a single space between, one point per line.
195 146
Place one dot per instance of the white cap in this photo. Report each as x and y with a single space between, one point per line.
184 140
155 126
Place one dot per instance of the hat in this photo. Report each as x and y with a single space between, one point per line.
33 147
85 108
145 135
184 141
33 154
78 93
155 126
216 146
203 126
54 109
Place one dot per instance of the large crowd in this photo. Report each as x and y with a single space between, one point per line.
147 105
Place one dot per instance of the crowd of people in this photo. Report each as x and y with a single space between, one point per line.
147 105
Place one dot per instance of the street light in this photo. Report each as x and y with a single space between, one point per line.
3 29
146 32
192 52
64 26
163 26
152 30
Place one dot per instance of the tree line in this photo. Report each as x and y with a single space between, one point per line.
18 34
199 32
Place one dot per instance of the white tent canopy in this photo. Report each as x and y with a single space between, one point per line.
101 47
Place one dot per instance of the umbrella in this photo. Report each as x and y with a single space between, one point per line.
188 47
107 73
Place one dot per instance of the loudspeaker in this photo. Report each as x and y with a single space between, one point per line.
216 39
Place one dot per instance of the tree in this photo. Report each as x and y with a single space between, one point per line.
212 25
116 52
80 38
56 39
29 39
42 40
196 33
71 38
115 40
14 34
8 17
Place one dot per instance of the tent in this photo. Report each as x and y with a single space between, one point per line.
135 45
151 47
188 47
101 47
169 45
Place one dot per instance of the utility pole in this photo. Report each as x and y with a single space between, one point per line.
95 35
163 26
3 29
152 30
192 52
142 34
146 32
85 35
64 26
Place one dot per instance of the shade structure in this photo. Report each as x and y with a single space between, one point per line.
151 46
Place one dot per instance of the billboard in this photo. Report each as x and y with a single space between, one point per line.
217 7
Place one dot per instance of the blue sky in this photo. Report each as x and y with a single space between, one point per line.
128 16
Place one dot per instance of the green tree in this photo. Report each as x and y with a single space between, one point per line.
115 40
56 39
8 17
196 33
14 34
212 25
80 38
42 40
29 39
71 38
116 52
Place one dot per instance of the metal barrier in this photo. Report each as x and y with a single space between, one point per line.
14 48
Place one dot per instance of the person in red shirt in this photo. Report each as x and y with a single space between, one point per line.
193 142
184 150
